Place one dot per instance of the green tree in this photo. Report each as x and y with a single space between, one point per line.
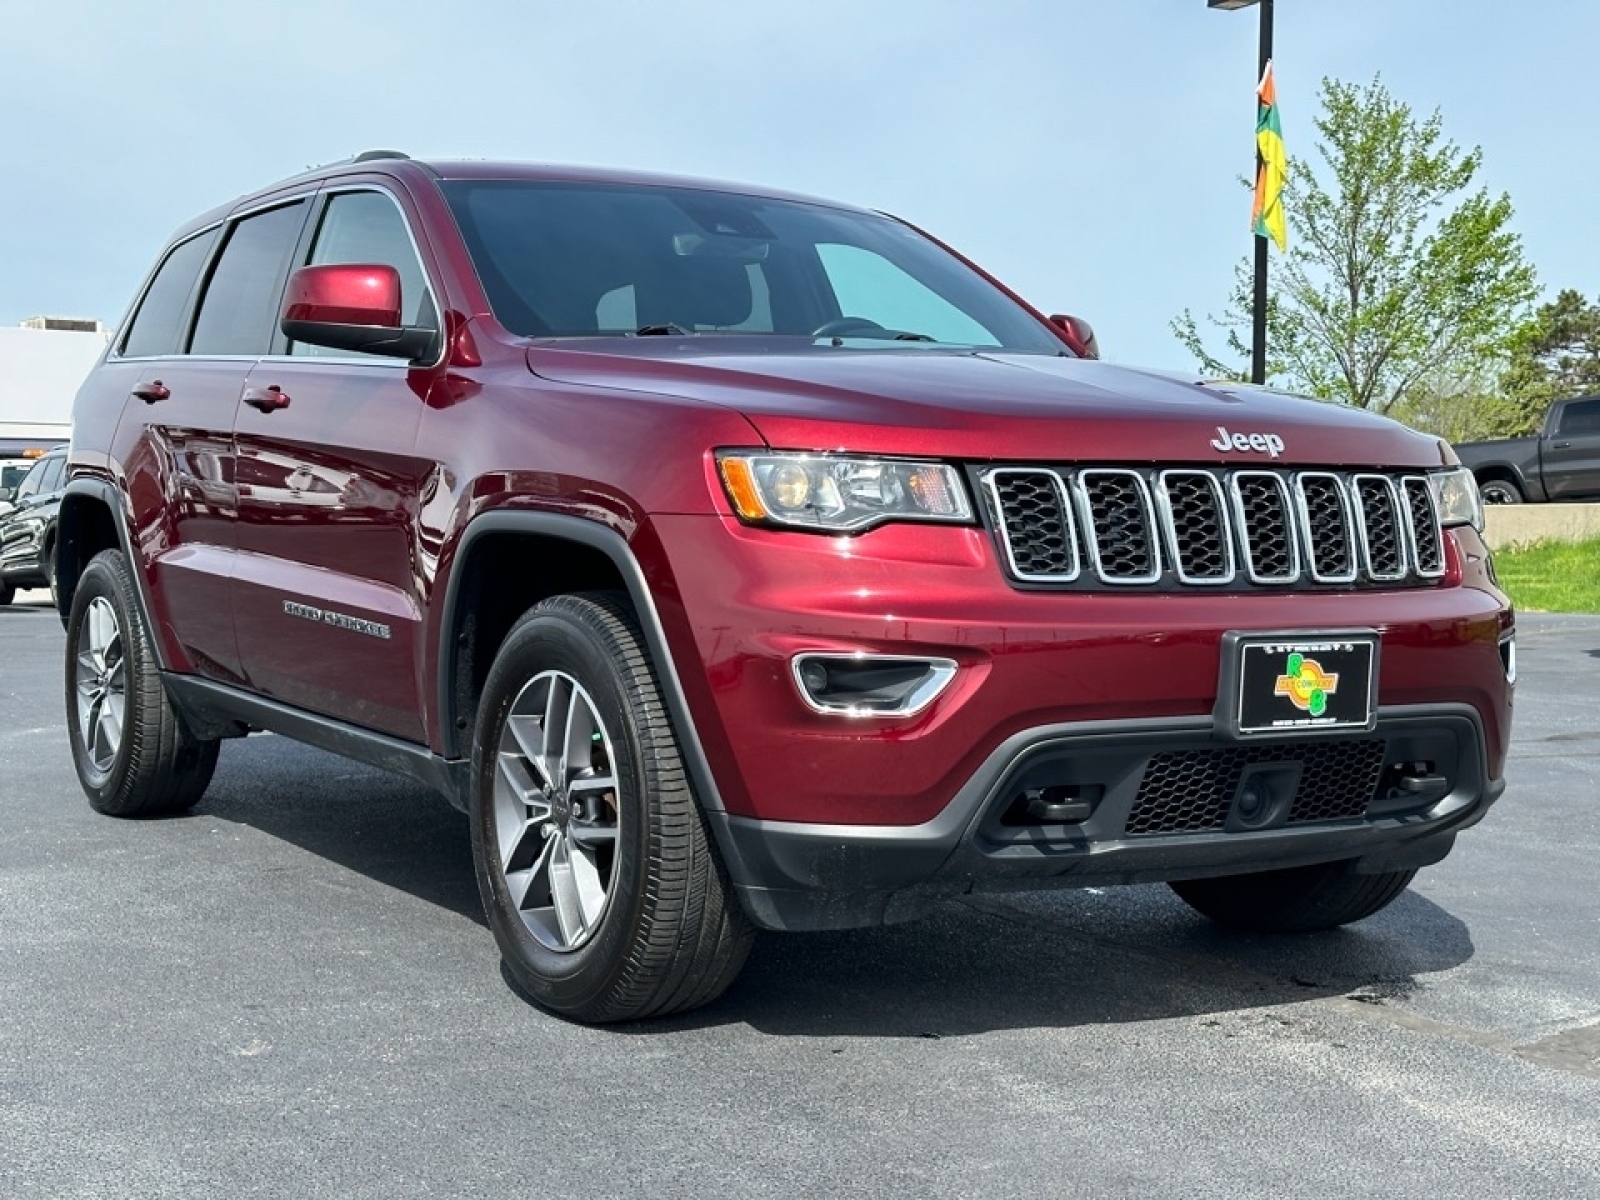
1554 355
1397 276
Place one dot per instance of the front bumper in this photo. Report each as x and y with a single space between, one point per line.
829 821
1163 803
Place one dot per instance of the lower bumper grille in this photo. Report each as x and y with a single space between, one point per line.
1191 791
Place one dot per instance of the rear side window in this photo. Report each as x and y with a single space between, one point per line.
1581 417
240 307
157 326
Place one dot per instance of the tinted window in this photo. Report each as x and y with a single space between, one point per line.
156 327
1582 416
33 481
870 287
240 308
366 227
560 259
54 469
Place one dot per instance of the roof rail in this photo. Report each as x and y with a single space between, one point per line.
374 155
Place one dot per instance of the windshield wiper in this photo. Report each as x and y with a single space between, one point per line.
664 329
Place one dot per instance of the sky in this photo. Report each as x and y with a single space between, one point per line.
1086 152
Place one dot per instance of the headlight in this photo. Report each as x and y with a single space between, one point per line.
840 494
1456 493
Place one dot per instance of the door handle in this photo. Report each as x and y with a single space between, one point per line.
268 399
1563 445
152 391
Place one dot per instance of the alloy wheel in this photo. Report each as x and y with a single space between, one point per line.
101 684
556 812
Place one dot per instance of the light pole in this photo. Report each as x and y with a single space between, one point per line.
1258 306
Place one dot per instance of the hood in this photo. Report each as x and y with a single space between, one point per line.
960 404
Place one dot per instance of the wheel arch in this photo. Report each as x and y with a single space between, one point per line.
1503 472
491 585
90 520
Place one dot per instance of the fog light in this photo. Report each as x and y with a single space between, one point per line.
870 685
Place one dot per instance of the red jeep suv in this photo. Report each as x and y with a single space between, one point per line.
742 561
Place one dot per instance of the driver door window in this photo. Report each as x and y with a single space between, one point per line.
366 227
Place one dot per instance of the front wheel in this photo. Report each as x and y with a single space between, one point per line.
1298 900
133 756
597 872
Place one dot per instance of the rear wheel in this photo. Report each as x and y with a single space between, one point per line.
1298 900
596 869
133 756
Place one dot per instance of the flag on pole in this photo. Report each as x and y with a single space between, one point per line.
1268 216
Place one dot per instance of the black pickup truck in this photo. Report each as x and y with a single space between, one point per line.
1561 463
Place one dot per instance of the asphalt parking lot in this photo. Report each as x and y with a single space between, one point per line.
291 992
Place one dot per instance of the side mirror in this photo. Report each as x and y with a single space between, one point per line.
353 306
1078 334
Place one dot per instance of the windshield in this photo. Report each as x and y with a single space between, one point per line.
588 260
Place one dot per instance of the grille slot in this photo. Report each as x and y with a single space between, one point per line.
1190 791
1378 513
1196 526
1266 527
1330 529
1427 546
1122 542
1036 518
1171 527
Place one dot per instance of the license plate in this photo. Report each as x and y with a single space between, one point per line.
1283 683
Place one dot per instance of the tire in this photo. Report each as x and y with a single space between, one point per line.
597 873
133 756
1298 900
6 593
1499 491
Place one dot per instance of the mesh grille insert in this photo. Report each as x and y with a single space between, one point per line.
1197 527
1330 536
1122 531
1265 529
1037 522
1380 527
1189 791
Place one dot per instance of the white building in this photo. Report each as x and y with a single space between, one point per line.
42 363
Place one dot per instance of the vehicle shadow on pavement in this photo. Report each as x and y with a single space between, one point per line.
395 832
975 965
1063 959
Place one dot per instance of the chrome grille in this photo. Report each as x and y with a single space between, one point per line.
1330 528
1427 547
1037 517
1122 534
1378 510
1197 526
1266 527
